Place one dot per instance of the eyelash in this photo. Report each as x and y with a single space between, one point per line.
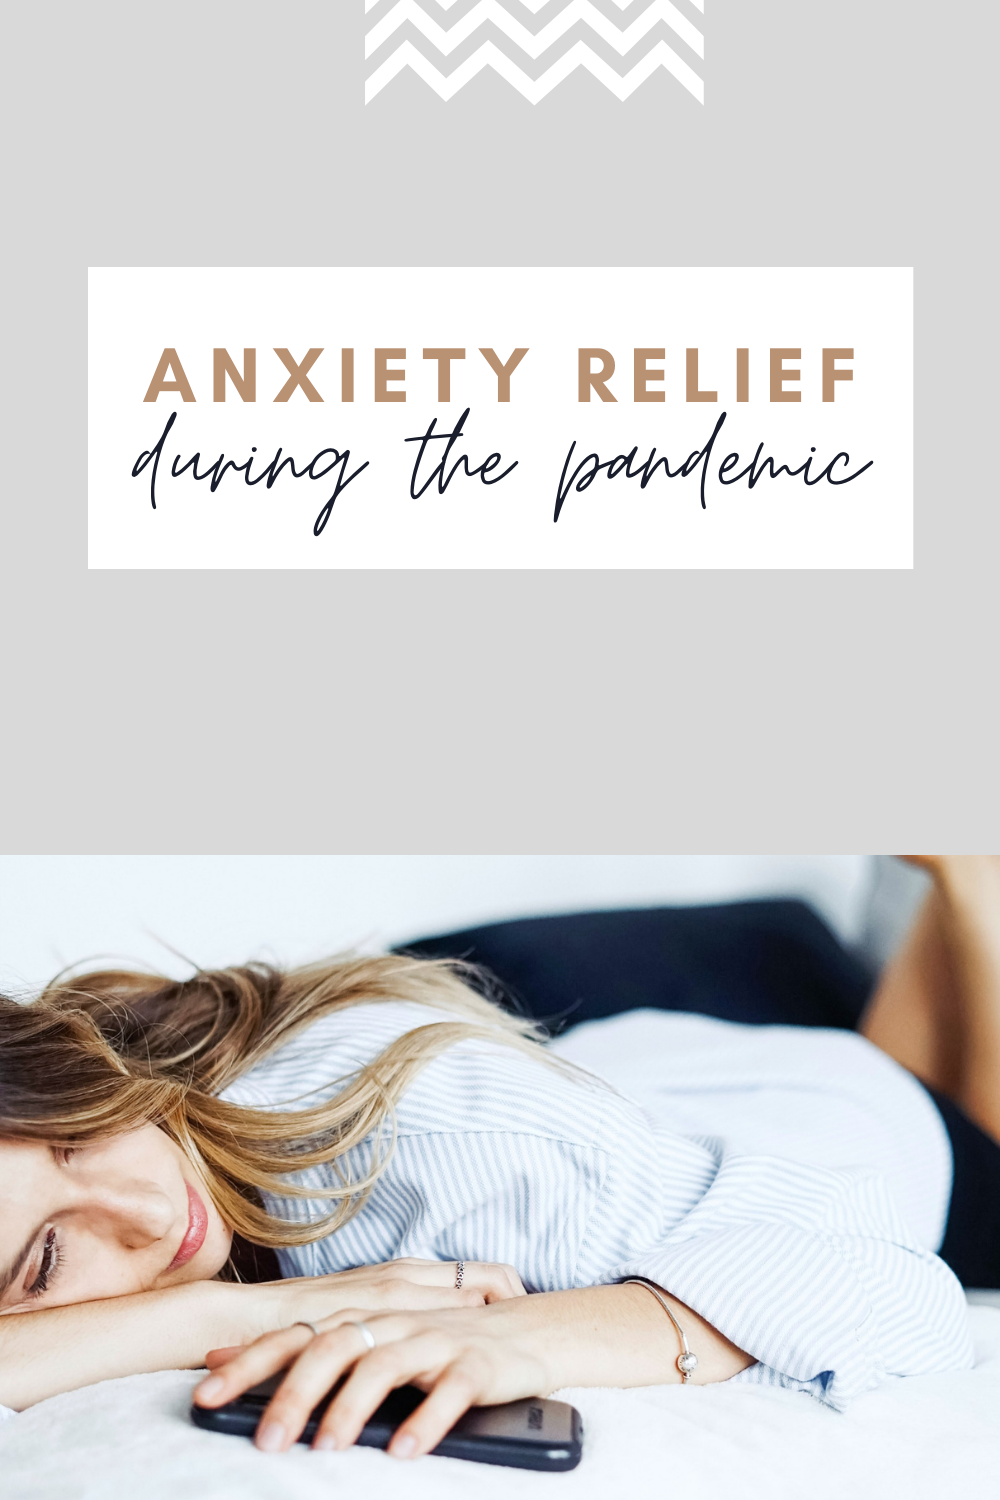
51 1258
49 1268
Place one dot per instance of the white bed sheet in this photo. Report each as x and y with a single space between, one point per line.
927 1436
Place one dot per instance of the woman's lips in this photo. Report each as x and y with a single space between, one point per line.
196 1230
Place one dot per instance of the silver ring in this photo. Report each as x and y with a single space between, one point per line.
365 1333
304 1323
459 1274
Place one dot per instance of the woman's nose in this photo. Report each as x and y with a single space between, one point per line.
139 1214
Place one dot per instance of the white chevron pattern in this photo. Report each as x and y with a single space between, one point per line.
533 44
534 5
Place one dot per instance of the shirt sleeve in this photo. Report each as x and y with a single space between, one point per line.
500 1157
6 1411
812 1272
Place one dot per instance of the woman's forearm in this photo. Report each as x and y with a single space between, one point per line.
970 885
606 1335
528 1346
58 1349
616 1336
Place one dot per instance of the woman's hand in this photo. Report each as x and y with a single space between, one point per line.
461 1357
524 1346
411 1283
407 1283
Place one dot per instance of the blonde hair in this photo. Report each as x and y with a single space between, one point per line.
108 1051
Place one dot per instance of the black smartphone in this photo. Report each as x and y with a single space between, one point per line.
532 1434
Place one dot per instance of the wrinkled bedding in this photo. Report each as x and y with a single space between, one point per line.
926 1436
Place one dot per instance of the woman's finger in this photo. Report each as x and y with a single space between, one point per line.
509 1283
256 1362
494 1280
409 1283
373 1377
216 1357
312 1376
458 1388
431 1289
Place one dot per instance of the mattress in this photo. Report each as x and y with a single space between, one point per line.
922 1436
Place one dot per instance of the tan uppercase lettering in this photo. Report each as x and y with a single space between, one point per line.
779 375
383 374
643 374
743 374
298 375
830 372
347 374
693 393
444 358
246 384
595 379
180 384
503 372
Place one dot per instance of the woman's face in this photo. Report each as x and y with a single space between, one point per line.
129 1214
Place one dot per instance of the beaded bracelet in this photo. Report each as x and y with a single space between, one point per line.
687 1362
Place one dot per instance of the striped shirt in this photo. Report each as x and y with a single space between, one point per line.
788 1184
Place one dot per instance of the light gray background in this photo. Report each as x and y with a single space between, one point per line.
373 711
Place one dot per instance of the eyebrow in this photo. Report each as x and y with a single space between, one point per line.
10 1274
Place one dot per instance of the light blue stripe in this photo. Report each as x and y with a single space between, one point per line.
499 1157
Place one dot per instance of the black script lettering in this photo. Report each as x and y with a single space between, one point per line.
154 454
701 457
826 473
767 467
440 472
338 461
588 468
753 475
216 472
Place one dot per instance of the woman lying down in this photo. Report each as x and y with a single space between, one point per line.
420 1159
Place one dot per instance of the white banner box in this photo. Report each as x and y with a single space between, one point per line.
501 418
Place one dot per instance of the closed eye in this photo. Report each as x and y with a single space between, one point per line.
51 1264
